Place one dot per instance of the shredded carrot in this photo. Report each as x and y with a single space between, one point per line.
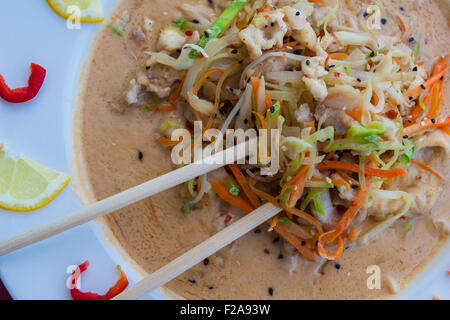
167 142
348 216
255 84
338 182
352 233
200 81
261 119
400 63
177 94
402 24
355 113
298 175
420 63
265 7
330 255
436 298
296 242
222 79
446 130
290 44
273 224
326 165
436 101
238 202
338 56
347 178
299 186
427 168
240 178
268 100
168 107
428 124
308 218
426 84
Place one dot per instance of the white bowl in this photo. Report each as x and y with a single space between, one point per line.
41 129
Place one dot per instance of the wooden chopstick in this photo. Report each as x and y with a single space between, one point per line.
200 252
124 198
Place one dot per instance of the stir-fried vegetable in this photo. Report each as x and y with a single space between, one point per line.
220 25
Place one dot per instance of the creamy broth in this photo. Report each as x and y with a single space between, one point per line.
155 231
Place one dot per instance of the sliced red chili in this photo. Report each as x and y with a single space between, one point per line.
119 287
24 94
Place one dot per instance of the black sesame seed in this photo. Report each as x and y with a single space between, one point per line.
192 281
354 187
317 243
272 24
206 34
245 120
415 68
365 14
358 79
179 50
308 62
210 1
272 109
241 61
270 290
285 38
409 121
147 67
383 21
303 243
441 78
405 137
257 231
206 261
211 287
195 21
332 66
297 13
411 98
339 153
234 51
266 26
401 8
297 51
276 240
231 89
422 86
411 39
280 256
372 54
337 266
140 155
433 121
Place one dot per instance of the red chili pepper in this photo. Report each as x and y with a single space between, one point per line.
120 286
189 33
24 94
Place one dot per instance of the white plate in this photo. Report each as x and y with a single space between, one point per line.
41 130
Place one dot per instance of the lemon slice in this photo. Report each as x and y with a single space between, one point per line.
26 185
90 10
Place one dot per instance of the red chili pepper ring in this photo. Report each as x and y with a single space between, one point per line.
24 94
120 286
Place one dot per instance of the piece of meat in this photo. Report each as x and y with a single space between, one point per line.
303 114
317 87
270 34
170 39
335 118
138 35
161 79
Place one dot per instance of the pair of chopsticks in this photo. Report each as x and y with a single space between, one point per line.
145 190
